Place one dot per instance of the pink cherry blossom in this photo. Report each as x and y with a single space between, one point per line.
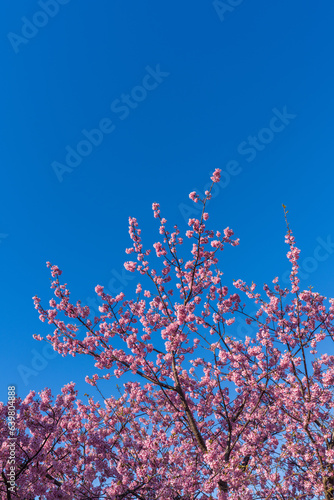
200 414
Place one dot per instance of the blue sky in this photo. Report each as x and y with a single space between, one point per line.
177 90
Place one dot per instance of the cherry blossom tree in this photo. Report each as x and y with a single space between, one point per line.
200 414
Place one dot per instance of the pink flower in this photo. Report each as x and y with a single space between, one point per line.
99 289
194 196
130 266
230 321
216 175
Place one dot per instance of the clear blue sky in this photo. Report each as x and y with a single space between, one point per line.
179 89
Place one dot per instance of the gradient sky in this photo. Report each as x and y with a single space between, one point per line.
249 90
